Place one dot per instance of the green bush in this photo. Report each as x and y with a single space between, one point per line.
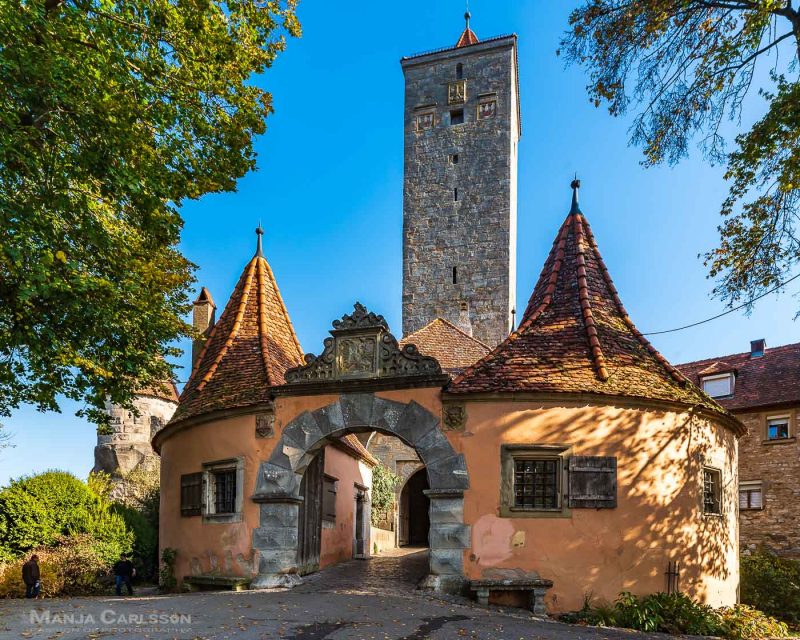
772 584
678 614
145 545
384 483
70 567
38 511
167 581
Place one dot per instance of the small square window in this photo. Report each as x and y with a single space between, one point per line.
778 428
712 491
223 485
720 386
457 116
454 158
750 495
536 483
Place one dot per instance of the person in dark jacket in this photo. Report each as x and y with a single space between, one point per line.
123 573
31 576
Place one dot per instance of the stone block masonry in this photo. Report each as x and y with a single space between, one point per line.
460 190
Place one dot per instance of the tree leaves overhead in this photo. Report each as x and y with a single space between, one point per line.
111 115
684 68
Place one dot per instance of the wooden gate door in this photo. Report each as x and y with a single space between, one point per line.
309 534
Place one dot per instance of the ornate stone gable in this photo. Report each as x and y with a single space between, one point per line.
361 348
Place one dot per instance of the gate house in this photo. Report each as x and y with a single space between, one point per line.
572 452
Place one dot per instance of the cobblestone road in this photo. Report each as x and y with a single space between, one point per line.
358 600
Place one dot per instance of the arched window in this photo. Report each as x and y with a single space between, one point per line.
459 71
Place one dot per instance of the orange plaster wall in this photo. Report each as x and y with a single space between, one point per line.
338 536
209 547
205 547
604 552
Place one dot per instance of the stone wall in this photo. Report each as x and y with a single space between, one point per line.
473 232
128 445
777 465
400 459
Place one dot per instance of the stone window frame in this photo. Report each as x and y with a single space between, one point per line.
719 376
789 417
209 470
718 492
751 486
509 454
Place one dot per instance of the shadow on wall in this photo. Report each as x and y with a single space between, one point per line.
659 517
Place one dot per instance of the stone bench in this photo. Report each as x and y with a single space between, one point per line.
535 586
216 583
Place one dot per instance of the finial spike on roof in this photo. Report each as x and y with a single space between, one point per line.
576 185
259 248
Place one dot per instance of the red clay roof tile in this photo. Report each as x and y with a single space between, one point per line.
247 351
576 337
453 348
769 380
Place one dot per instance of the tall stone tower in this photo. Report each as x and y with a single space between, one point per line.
462 127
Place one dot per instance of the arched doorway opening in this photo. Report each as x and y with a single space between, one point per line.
415 521
279 479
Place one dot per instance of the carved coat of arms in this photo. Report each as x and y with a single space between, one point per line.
355 355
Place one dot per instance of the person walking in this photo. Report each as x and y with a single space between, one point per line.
123 573
31 577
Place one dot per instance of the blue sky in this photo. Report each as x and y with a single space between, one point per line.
328 191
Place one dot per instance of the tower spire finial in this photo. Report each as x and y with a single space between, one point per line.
259 248
467 15
576 185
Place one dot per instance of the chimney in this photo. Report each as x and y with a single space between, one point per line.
463 319
202 320
758 347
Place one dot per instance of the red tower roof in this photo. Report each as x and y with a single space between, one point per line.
576 337
247 351
468 36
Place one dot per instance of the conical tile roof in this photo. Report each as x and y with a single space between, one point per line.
468 36
576 337
248 350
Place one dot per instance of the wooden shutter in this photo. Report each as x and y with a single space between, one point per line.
329 498
592 482
192 494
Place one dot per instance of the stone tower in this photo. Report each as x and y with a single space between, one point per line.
128 446
462 127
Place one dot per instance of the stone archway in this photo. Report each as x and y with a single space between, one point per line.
278 484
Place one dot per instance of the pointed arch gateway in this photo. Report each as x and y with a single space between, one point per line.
362 337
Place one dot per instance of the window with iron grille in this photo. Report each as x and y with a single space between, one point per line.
224 491
191 494
536 484
750 495
712 491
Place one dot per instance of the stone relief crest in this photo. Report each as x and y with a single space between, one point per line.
454 417
265 425
355 356
361 346
457 92
487 110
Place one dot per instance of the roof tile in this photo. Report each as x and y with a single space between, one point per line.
453 348
576 337
248 349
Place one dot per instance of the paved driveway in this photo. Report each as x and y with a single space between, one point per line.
356 600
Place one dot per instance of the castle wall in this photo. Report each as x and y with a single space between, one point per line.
461 247
128 445
602 552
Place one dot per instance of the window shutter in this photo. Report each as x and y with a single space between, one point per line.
192 494
592 482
